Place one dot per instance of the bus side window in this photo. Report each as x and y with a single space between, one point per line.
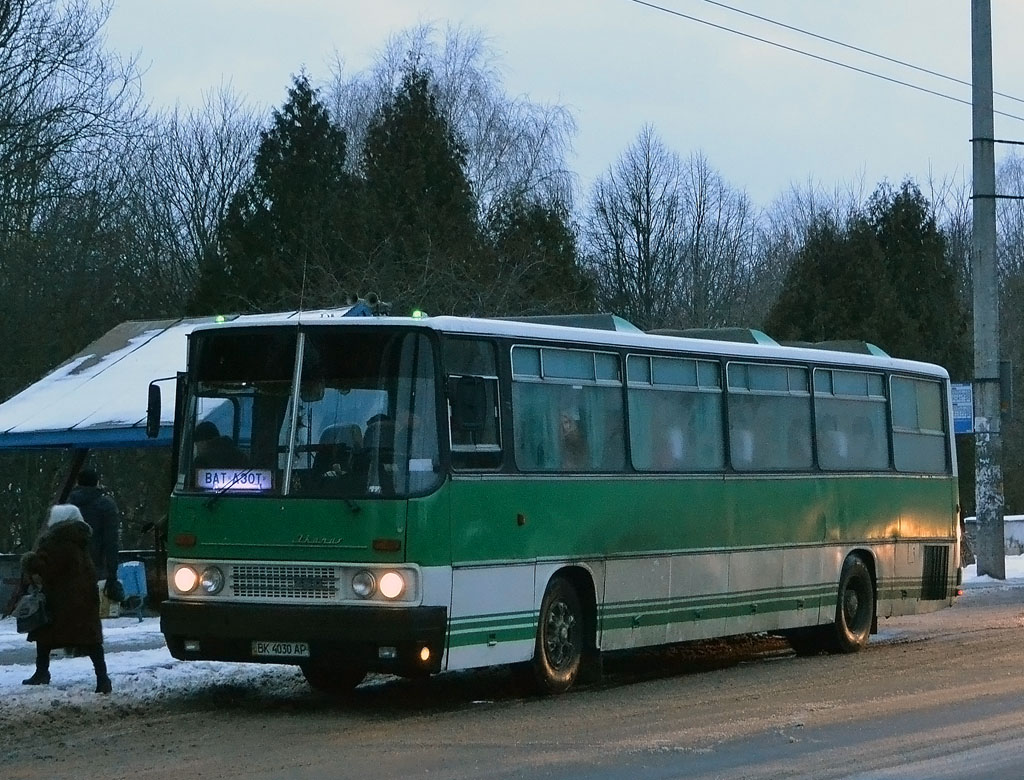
474 424
474 421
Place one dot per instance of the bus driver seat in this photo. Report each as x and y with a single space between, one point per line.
338 443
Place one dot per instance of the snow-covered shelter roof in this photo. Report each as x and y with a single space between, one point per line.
98 397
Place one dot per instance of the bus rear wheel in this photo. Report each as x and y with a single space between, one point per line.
332 678
855 607
559 650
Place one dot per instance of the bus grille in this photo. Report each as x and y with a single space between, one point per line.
284 581
935 577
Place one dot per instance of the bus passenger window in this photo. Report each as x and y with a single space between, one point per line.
849 406
474 422
571 418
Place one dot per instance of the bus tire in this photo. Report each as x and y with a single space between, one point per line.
855 606
559 650
331 678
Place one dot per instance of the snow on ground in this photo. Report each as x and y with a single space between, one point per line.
139 665
1014 571
142 669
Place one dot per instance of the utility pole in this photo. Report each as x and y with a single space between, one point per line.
988 491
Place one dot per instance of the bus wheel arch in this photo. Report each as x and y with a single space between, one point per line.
566 630
856 602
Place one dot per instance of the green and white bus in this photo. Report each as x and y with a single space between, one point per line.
411 496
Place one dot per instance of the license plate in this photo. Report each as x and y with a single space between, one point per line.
280 649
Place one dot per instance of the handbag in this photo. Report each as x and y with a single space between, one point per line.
30 612
114 590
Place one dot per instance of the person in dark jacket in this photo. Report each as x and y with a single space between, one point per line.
213 451
61 564
100 512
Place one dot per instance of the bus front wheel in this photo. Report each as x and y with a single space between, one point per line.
557 656
855 608
334 679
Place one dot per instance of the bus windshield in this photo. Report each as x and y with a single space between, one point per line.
325 411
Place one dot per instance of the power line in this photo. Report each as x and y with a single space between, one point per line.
856 48
818 57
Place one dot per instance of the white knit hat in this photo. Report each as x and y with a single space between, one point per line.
63 513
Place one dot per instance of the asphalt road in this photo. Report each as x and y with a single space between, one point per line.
934 696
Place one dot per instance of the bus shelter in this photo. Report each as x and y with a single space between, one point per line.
97 398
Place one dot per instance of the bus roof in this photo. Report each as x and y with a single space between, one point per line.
592 337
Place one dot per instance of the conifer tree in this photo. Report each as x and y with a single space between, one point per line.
422 241
885 277
282 243
540 266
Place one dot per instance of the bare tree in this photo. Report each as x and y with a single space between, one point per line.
951 201
66 110
634 230
515 148
187 170
1010 217
59 92
719 249
670 242
69 110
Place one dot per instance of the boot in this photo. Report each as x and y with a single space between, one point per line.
39 678
99 663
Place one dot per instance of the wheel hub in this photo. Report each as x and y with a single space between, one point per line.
559 644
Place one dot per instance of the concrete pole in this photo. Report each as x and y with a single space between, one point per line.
988 491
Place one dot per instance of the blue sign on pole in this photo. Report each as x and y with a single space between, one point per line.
963 407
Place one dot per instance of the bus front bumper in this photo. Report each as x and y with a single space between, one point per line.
381 639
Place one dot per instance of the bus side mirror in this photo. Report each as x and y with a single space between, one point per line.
153 411
469 403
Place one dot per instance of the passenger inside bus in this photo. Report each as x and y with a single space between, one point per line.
574 445
215 451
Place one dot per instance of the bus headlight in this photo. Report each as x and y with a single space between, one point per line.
185 579
391 585
363 584
212 580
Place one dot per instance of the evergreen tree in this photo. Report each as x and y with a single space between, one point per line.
422 244
835 288
282 243
928 321
539 261
884 277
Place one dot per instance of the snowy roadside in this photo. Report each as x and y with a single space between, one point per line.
1014 574
142 669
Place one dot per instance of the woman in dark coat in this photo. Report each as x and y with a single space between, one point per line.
62 564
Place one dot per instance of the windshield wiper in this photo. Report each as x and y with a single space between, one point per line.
209 503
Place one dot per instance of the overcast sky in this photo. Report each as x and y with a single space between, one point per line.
765 118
